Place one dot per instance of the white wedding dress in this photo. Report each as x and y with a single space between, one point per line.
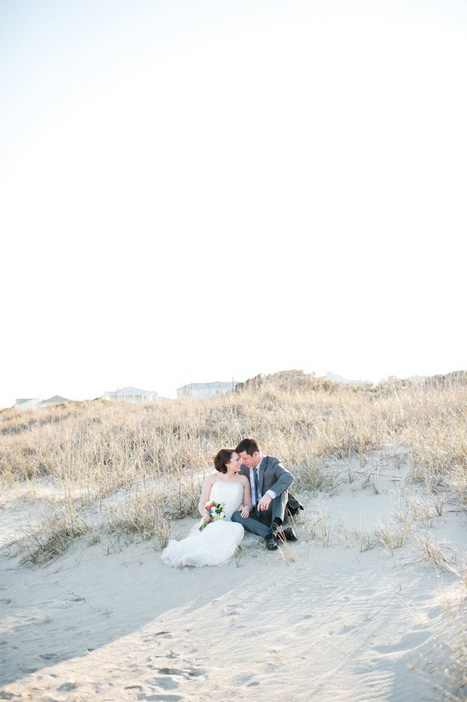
218 540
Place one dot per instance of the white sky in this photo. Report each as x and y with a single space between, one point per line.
210 189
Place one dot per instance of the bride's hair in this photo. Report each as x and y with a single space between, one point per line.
222 458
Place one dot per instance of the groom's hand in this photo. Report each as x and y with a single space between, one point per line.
264 502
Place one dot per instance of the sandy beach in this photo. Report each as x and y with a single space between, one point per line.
340 615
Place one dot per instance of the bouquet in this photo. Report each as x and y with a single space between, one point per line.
215 510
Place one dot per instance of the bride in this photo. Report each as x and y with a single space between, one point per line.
217 542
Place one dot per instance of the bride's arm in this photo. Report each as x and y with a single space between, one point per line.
246 509
205 495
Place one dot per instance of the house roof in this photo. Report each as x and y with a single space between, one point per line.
214 384
56 399
129 391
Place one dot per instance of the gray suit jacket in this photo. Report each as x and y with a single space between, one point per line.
272 475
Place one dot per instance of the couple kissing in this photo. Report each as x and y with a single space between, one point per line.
248 492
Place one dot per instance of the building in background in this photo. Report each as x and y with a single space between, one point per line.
204 390
27 403
55 400
134 395
37 403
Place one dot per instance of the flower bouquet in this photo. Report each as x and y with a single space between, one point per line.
216 510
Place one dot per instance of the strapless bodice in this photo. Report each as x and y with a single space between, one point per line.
230 493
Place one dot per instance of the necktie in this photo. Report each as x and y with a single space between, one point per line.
257 495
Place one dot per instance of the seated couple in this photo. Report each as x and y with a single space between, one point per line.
254 491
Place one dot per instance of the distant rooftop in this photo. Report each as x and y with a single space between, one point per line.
37 403
129 391
214 384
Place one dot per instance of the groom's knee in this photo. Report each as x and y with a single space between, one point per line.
278 506
236 517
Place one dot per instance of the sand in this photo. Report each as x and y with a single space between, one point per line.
320 620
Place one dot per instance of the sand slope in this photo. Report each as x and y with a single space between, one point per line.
309 623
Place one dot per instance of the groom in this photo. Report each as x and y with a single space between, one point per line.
269 483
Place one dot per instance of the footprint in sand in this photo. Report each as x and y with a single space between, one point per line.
160 698
407 643
231 610
346 629
171 671
187 672
434 612
166 683
67 687
248 680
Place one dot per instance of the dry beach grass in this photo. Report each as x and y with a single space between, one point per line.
106 475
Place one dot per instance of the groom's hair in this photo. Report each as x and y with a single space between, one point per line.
249 446
222 458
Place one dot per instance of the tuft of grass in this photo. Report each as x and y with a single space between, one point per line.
144 513
53 537
319 529
312 476
367 540
444 557
455 671
393 535
451 655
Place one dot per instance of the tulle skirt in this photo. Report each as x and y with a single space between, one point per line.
212 546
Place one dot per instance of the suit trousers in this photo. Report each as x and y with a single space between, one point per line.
259 523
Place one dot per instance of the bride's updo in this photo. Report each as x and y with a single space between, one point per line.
222 458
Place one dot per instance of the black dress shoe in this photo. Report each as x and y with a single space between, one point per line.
276 530
271 544
289 534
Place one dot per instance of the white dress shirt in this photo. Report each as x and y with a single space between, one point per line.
252 484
